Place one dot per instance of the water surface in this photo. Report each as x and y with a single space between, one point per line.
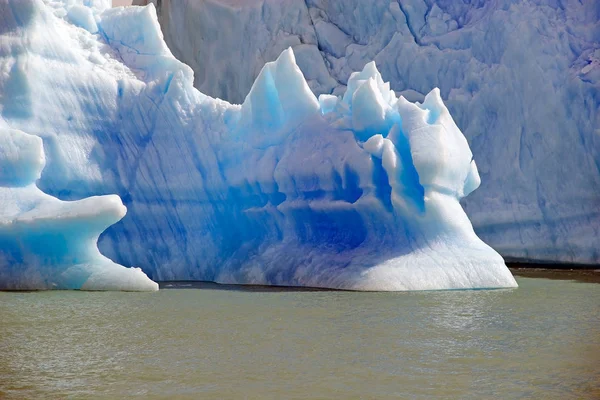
540 341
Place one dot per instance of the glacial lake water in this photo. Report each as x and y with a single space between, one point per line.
541 341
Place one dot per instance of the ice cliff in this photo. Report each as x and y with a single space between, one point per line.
521 78
358 191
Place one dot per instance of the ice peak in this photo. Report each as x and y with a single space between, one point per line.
135 29
434 105
357 79
369 109
371 102
439 150
280 96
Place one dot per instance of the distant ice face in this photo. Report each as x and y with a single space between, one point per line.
358 191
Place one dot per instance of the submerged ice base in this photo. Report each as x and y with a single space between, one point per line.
358 191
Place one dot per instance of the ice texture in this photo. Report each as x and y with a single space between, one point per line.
358 191
520 77
46 243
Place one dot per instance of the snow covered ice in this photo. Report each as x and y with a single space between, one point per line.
520 77
357 191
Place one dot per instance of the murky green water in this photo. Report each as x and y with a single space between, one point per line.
540 341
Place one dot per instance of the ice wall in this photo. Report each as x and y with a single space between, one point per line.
359 191
521 78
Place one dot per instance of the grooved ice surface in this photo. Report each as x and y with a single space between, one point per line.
520 77
358 191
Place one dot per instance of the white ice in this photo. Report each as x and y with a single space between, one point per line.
358 191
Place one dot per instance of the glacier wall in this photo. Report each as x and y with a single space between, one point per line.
521 78
359 191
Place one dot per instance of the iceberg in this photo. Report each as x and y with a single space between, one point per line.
355 191
46 243
521 79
